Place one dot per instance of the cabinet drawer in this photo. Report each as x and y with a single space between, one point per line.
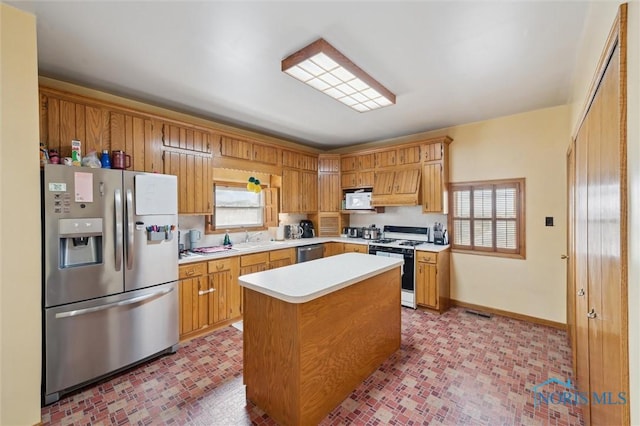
220 265
282 254
425 256
254 259
192 270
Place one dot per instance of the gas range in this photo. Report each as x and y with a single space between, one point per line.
404 237
400 241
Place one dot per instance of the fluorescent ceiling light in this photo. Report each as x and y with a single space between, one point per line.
324 68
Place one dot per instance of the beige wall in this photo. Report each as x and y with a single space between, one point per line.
20 316
530 145
598 23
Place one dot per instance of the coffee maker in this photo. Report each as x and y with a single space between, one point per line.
307 229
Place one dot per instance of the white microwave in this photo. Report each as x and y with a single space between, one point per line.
358 201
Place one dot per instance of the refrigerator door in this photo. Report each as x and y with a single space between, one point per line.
89 339
151 257
82 238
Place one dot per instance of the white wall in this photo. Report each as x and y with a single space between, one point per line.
20 277
597 26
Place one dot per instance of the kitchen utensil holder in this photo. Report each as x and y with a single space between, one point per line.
159 235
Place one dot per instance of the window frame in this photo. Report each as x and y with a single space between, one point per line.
210 227
519 184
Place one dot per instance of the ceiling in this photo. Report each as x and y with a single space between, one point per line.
448 62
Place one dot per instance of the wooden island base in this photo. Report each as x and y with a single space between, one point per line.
302 359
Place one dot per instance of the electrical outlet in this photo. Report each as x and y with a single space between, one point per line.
548 221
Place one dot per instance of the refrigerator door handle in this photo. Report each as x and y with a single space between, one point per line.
139 299
119 230
130 228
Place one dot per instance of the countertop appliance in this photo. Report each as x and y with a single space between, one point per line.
109 279
439 234
352 232
358 201
371 233
311 252
400 241
307 229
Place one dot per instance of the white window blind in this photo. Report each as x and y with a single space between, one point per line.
486 216
235 207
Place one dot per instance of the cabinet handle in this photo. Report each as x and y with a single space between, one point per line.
564 256
219 266
592 314
191 272
581 292
203 292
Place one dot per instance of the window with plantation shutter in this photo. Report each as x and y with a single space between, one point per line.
488 217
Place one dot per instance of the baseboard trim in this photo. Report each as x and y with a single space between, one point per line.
508 314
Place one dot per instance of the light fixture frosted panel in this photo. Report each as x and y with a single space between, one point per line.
324 68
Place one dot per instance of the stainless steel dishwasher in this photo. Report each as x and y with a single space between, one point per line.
312 252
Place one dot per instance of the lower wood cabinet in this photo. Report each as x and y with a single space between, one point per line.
284 257
209 294
432 280
356 248
331 249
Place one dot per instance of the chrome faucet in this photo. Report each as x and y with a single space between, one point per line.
248 237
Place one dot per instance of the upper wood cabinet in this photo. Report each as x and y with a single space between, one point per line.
358 162
435 178
328 163
245 150
63 120
187 156
329 193
396 188
299 183
298 160
398 157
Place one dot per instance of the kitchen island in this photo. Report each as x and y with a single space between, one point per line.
314 331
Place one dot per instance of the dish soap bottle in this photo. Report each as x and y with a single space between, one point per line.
227 240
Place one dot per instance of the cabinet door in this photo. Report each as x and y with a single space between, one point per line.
348 164
356 248
329 195
308 192
409 155
265 154
383 183
433 152
427 285
385 158
235 148
127 133
366 161
366 179
270 206
195 183
349 180
432 188
329 164
290 198
189 305
284 257
332 249
225 299
406 181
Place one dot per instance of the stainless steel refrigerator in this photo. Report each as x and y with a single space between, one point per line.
110 295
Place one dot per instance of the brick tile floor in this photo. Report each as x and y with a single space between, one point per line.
452 369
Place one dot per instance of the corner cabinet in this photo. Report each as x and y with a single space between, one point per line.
435 177
299 183
432 280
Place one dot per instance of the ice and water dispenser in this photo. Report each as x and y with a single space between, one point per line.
80 242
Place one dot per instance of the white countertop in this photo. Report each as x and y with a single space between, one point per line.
256 247
307 281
